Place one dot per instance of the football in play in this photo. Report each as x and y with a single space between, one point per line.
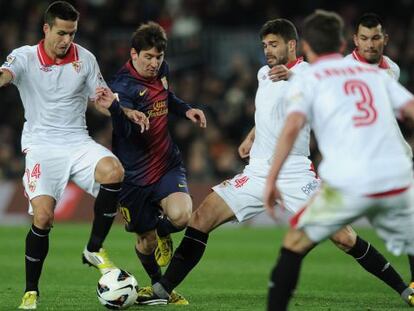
117 289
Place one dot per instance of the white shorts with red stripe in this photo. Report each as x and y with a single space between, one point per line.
390 213
244 192
49 168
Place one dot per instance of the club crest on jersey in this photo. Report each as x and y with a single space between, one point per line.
32 185
164 82
9 60
46 68
77 65
100 78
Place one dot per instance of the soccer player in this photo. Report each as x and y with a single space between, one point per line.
55 79
365 169
370 39
241 198
155 178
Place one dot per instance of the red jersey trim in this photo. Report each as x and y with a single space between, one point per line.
387 193
383 64
70 57
294 63
295 219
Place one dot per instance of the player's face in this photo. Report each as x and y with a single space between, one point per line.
276 50
147 62
370 43
59 36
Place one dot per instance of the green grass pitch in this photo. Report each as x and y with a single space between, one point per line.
233 274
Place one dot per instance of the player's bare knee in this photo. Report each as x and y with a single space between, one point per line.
202 218
345 238
43 218
180 218
297 241
109 170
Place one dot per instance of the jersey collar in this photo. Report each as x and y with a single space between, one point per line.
328 56
383 64
70 57
294 62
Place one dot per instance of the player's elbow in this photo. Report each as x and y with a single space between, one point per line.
408 110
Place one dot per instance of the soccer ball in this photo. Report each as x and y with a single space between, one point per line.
117 289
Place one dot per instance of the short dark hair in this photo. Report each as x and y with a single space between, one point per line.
324 31
280 26
369 20
62 10
148 36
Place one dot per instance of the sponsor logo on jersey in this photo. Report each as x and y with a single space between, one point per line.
77 66
182 185
164 82
9 60
159 108
142 92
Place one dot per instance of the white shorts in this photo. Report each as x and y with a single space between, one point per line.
392 216
244 192
48 169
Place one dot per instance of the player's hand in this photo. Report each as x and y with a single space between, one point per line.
270 198
244 148
104 97
137 117
197 116
279 72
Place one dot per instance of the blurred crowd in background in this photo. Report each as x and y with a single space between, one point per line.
214 54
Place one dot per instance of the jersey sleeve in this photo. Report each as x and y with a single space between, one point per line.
399 95
16 64
177 105
94 78
298 98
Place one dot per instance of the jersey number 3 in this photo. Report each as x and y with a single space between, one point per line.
367 114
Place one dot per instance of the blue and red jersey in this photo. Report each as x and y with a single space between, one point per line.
146 156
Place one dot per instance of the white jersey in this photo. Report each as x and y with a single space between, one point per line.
270 116
348 105
394 71
385 63
54 96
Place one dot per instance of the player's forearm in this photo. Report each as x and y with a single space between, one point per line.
5 77
177 105
251 134
102 110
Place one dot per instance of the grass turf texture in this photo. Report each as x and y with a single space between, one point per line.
233 274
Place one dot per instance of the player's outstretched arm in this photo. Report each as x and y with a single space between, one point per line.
197 116
246 145
5 77
137 117
294 123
